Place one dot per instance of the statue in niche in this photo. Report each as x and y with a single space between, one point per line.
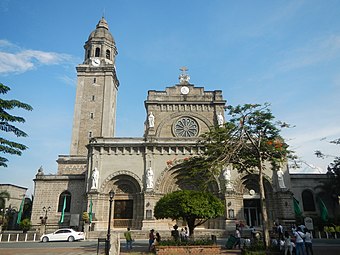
95 178
280 179
227 177
151 120
220 119
149 178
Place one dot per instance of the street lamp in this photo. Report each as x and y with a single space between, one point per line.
44 220
108 238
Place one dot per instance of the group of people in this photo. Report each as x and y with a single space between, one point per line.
155 237
302 240
182 235
154 240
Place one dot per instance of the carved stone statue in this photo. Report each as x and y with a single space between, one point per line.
95 178
281 179
227 177
220 119
184 78
151 120
149 178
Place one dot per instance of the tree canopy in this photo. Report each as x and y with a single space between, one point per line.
332 184
248 141
195 207
6 125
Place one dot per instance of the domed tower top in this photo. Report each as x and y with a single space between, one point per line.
100 44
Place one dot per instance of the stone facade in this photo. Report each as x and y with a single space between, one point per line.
16 195
140 170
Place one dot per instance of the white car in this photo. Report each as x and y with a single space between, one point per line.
64 234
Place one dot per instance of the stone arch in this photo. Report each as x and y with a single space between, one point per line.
239 183
172 116
127 200
168 181
121 176
308 201
246 187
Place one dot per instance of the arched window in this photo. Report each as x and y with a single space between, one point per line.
308 200
88 54
97 53
108 54
66 195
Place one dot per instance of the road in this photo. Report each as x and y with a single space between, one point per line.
320 247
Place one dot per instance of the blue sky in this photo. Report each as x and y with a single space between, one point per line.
286 53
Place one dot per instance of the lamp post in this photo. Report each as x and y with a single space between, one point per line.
108 237
44 220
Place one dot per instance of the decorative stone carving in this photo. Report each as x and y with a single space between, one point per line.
95 178
220 119
280 179
227 177
186 127
149 178
151 120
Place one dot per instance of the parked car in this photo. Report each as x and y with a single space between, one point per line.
64 234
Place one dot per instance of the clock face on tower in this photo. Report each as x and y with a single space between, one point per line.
96 62
184 90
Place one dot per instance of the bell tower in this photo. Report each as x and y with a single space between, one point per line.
97 87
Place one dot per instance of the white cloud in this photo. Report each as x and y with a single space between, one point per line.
15 60
313 53
69 80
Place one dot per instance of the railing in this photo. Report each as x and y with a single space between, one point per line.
19 237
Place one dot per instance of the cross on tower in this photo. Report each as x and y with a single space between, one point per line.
184 69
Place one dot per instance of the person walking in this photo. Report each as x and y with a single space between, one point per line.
299 236
128 238
151 239
308 242
238 238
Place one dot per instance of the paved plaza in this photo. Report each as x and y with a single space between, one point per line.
320 247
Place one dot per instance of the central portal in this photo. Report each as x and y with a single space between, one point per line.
123 213
252 212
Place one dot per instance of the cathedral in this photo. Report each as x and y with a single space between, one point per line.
140 170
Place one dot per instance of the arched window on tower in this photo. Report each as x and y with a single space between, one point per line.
66 195
88 54
308 201
108 54
97 53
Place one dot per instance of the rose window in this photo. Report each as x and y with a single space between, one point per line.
186 127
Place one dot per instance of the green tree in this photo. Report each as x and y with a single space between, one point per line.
3 195
195 207
332 184
6 125
249 141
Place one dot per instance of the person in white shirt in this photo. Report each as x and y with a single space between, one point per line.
299 236
238 238
288 244
308 242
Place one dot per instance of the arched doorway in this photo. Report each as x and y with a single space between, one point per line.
127 202
251 199
176 179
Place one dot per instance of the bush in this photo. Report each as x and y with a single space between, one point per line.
25 225
86 217
186 243
258 248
